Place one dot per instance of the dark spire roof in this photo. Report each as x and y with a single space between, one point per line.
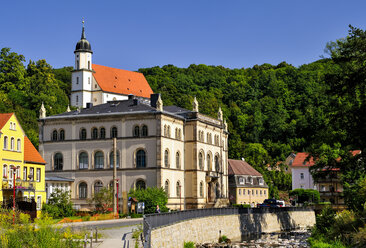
83 44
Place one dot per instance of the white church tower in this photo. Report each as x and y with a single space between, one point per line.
82 75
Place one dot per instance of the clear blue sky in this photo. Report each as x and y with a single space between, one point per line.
145 33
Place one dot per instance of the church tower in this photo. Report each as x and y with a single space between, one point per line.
82 75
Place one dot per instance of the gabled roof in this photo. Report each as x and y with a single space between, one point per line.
31 154
4 119
239 167
121 81
300 160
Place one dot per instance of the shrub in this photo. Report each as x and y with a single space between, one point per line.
151 196
224 239
305 195
189 244
59 204
103 200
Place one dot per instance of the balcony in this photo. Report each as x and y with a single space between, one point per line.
21 185
331 193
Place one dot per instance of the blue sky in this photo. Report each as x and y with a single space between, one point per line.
145 33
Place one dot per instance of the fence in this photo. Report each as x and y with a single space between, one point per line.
152 221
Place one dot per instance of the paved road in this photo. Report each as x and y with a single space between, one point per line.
104 223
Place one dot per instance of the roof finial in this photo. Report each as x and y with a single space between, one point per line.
195 104
159 104
68 108
42 112
83 32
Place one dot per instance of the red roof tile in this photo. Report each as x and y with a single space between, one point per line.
121 81
30 152
4 119
300 160
239 167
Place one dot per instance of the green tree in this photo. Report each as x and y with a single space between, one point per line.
103 199
59 204
151 196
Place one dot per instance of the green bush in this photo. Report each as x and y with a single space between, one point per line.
305 195
59 205
152 197
189 244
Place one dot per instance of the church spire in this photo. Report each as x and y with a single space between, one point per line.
83 31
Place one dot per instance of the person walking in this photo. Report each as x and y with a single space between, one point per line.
157 209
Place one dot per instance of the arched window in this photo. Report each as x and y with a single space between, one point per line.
177 160
208 162
166 158
12 145
19 145
102 133
111 159
54 135
114 132
140 159
83 190
165 131
99 160
5 171
217 163
83 134
201 189
5 142
58 161
167 187
97 187
62 135
136 131
179 134
208 138
95 133
200 161
140 184
83 161
176 133
178 189
168 131
144 131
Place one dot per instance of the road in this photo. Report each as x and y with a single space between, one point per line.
115 233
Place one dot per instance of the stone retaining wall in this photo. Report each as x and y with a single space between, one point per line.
204 230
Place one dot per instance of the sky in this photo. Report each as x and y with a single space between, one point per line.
145 33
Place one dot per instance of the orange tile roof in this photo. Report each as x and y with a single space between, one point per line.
121 81
300 160
31 154
240 167
4 119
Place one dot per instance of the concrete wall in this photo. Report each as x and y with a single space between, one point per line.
204 230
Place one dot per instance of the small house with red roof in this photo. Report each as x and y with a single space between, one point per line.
97 84
246 184
22 167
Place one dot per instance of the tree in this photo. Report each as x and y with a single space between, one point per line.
59 204
151 196
103 199
305 195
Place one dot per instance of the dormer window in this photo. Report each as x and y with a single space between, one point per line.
241 180
261 181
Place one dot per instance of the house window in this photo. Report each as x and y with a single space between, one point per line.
62 134
239 191
25 174
83 161
140 159
136 131
111 159
5 142
301 176
241 180
31 173
83 190
168 131
94 133
167 187
166 158
19 145
83 134
177 160
99 160
12 144
102 133
39 202
201 189
58 162
54 135
144 131
217 164
97 187
140 184
178 189
200 161
165 131
208 162
38 175
5 171
114 132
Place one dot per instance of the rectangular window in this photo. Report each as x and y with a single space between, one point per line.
301 176
18 172
31 173
239 191
5 171
25 174
39 202
38 175
77 80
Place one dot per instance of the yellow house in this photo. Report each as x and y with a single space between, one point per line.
20 164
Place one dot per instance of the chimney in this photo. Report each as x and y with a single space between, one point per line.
131 96
153 99
89 105
135 102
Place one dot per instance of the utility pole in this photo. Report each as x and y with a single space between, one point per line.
115 176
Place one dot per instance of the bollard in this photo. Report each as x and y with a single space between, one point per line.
91 238
85 240
96 235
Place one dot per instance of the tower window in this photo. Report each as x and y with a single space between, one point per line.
77 98
88 80
77 64
77 80
89 65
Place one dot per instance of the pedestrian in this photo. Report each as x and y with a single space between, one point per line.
157 209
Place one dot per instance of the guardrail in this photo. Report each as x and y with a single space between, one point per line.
152 221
